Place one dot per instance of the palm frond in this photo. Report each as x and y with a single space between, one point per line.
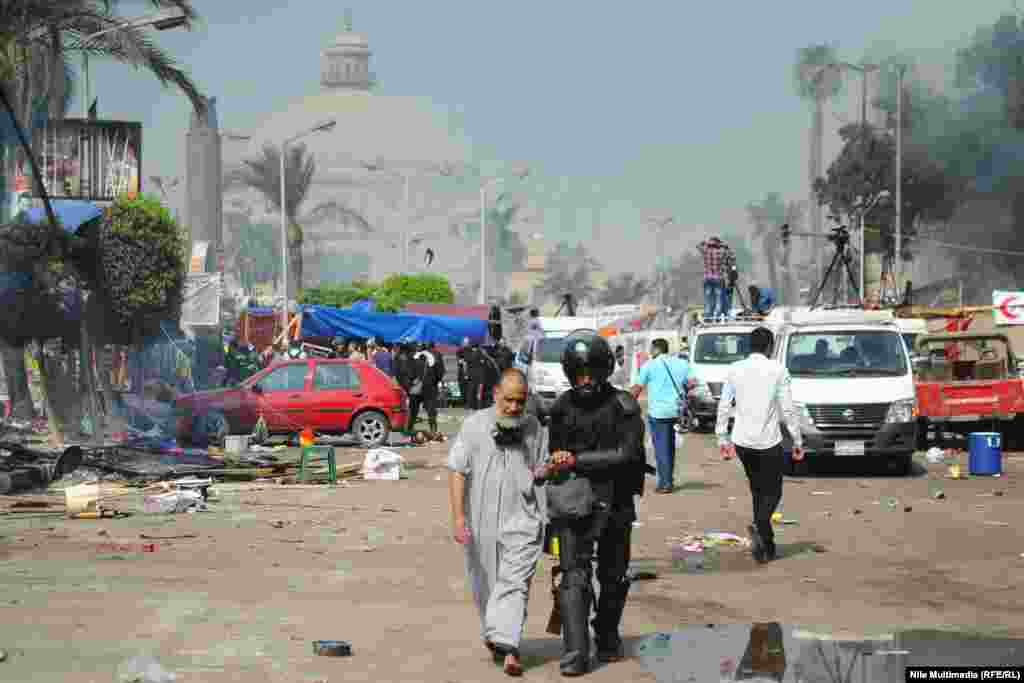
336 212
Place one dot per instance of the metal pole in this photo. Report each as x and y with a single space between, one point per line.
85 84
862 256
284 245
405 229
899 179
483 245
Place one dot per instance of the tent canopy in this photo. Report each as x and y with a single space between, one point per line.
327 321
72 214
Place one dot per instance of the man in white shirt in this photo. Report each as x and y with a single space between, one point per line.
757 394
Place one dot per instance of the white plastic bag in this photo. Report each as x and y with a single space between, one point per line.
382 464
143 669
935 456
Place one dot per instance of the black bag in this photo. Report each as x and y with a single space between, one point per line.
573 499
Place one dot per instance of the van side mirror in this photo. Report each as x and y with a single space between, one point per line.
921 363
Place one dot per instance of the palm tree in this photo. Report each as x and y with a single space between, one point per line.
816 79
767 216
623 289
37 38
569 271
263 174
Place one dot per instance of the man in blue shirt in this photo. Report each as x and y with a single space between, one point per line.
666 379
761 299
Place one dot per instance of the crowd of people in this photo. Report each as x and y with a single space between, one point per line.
518 486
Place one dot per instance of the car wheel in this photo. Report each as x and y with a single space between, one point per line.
371 429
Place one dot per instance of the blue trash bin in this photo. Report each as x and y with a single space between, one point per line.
985 453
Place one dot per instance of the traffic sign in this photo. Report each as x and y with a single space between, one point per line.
1008 308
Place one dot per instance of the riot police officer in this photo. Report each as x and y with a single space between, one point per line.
596 434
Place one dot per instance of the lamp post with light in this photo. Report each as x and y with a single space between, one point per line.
322 127
520 174
161 21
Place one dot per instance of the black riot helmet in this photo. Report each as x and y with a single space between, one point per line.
591 352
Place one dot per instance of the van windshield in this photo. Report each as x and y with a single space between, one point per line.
850 354
549 350
721 348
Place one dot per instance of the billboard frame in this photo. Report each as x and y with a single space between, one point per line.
93 132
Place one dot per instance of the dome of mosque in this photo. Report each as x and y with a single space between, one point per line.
400 134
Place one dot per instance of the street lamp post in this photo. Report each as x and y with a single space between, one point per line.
520 174
320 127
161 21
405 175
660 223
898 254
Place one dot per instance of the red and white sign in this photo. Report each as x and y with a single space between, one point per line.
1008 308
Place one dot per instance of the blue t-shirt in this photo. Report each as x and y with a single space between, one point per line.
657 376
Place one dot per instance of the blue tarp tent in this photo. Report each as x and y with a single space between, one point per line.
327 321
72 213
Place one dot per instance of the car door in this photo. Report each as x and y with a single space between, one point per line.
337 394
284 401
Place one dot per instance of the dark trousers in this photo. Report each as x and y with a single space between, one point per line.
610 531
430 404
414 411
764 471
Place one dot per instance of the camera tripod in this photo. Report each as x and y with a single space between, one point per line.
841 238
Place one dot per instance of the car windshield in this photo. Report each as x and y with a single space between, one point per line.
851 354
721 348
549 351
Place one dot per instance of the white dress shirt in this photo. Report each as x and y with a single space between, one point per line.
761 390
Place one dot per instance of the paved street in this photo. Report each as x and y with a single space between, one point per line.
239 593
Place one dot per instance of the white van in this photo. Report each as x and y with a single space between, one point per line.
714 347
541 359
852 382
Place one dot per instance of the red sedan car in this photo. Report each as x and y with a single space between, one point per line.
332 396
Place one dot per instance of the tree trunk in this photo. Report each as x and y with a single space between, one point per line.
16 374
87 387
47 383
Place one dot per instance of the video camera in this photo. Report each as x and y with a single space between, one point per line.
839 236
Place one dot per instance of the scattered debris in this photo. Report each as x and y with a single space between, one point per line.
821 493
143 669
166 538
174 502
939 495
1000 524
382 464
332 648
935 456
808 579
3 656
858 511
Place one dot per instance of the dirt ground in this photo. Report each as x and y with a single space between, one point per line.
239 593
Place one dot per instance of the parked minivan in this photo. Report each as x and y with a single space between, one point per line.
852 383
714 347
541 359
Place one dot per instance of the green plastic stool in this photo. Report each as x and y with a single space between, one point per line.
315 454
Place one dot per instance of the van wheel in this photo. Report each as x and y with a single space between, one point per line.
371 429
901 465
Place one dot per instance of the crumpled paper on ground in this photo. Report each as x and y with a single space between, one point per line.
696 543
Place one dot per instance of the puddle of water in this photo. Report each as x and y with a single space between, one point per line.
787 654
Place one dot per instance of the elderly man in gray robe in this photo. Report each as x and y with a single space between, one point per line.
498 512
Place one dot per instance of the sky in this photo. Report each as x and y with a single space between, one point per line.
657 108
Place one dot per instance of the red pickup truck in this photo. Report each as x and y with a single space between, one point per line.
966 378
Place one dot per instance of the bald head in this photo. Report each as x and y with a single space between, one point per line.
510 393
